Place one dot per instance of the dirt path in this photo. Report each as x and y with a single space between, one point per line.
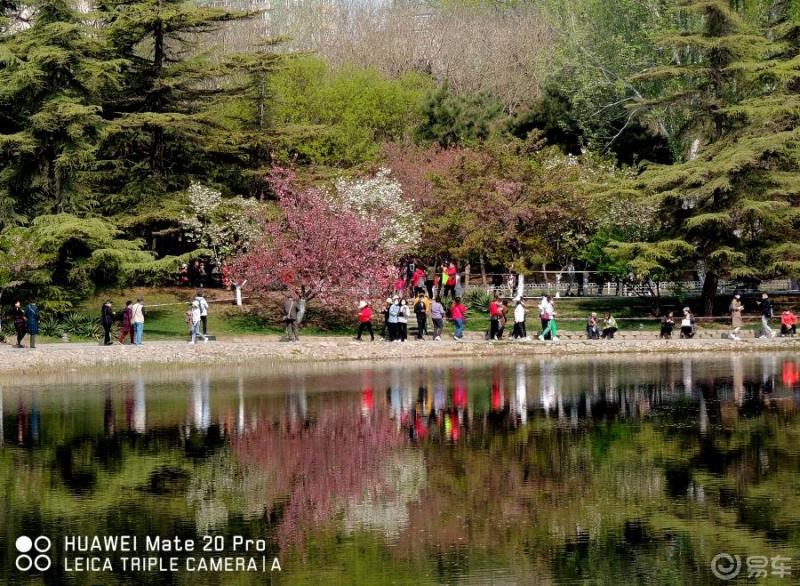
263 352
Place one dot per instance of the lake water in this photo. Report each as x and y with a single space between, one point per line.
634 470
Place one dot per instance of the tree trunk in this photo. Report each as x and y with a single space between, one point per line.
709 293
483 270
467 272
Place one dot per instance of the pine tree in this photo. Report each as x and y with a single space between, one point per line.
734 198
166 124
52 79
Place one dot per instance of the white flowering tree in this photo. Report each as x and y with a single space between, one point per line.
222 225
380 199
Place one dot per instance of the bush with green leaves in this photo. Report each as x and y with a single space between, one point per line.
478 300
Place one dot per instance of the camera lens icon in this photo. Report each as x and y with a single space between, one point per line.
39 548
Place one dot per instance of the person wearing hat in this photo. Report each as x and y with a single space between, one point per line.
196 321
365 320
735 309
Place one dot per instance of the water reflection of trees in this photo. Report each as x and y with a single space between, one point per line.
552 466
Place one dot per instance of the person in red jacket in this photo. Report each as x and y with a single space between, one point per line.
365 320
450 287
494 318
127 326
788 323
459 315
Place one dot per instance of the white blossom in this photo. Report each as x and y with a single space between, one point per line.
381 197
223 225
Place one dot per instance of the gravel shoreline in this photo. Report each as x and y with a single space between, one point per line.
264 352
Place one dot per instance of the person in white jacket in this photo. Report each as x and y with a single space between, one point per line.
203 310
519 332
196 321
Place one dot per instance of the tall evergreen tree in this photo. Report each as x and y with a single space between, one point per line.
166 125
53 75
734 199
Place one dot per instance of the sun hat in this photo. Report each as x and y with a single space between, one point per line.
362 304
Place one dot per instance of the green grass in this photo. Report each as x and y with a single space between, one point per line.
166 314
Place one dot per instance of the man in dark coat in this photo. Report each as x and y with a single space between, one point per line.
32 321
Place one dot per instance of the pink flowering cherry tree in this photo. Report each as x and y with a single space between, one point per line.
317 247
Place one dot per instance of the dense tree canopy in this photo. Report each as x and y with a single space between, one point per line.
680 114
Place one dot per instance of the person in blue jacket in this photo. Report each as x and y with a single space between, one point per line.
32 322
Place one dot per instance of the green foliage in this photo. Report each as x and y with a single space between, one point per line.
53 77
340 117
732 204
451 120
478 300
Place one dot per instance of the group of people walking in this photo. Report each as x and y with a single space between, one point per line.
131 320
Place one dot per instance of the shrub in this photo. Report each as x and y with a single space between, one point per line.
81 325
478 300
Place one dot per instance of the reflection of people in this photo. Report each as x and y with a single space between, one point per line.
139 405
521 395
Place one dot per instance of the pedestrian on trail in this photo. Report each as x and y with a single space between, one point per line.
458 312
18 315
437 316
767 312
365 320
196 323
127 323
736 307
519 332
551 331
452 272
290 317
421 312
494 318
667 325
393 320
545 310
107 320
402 320
419 280
32 322
503 318
609 327
201 300
137 319
688 324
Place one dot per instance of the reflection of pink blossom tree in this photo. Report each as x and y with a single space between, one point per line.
321 248
317 469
